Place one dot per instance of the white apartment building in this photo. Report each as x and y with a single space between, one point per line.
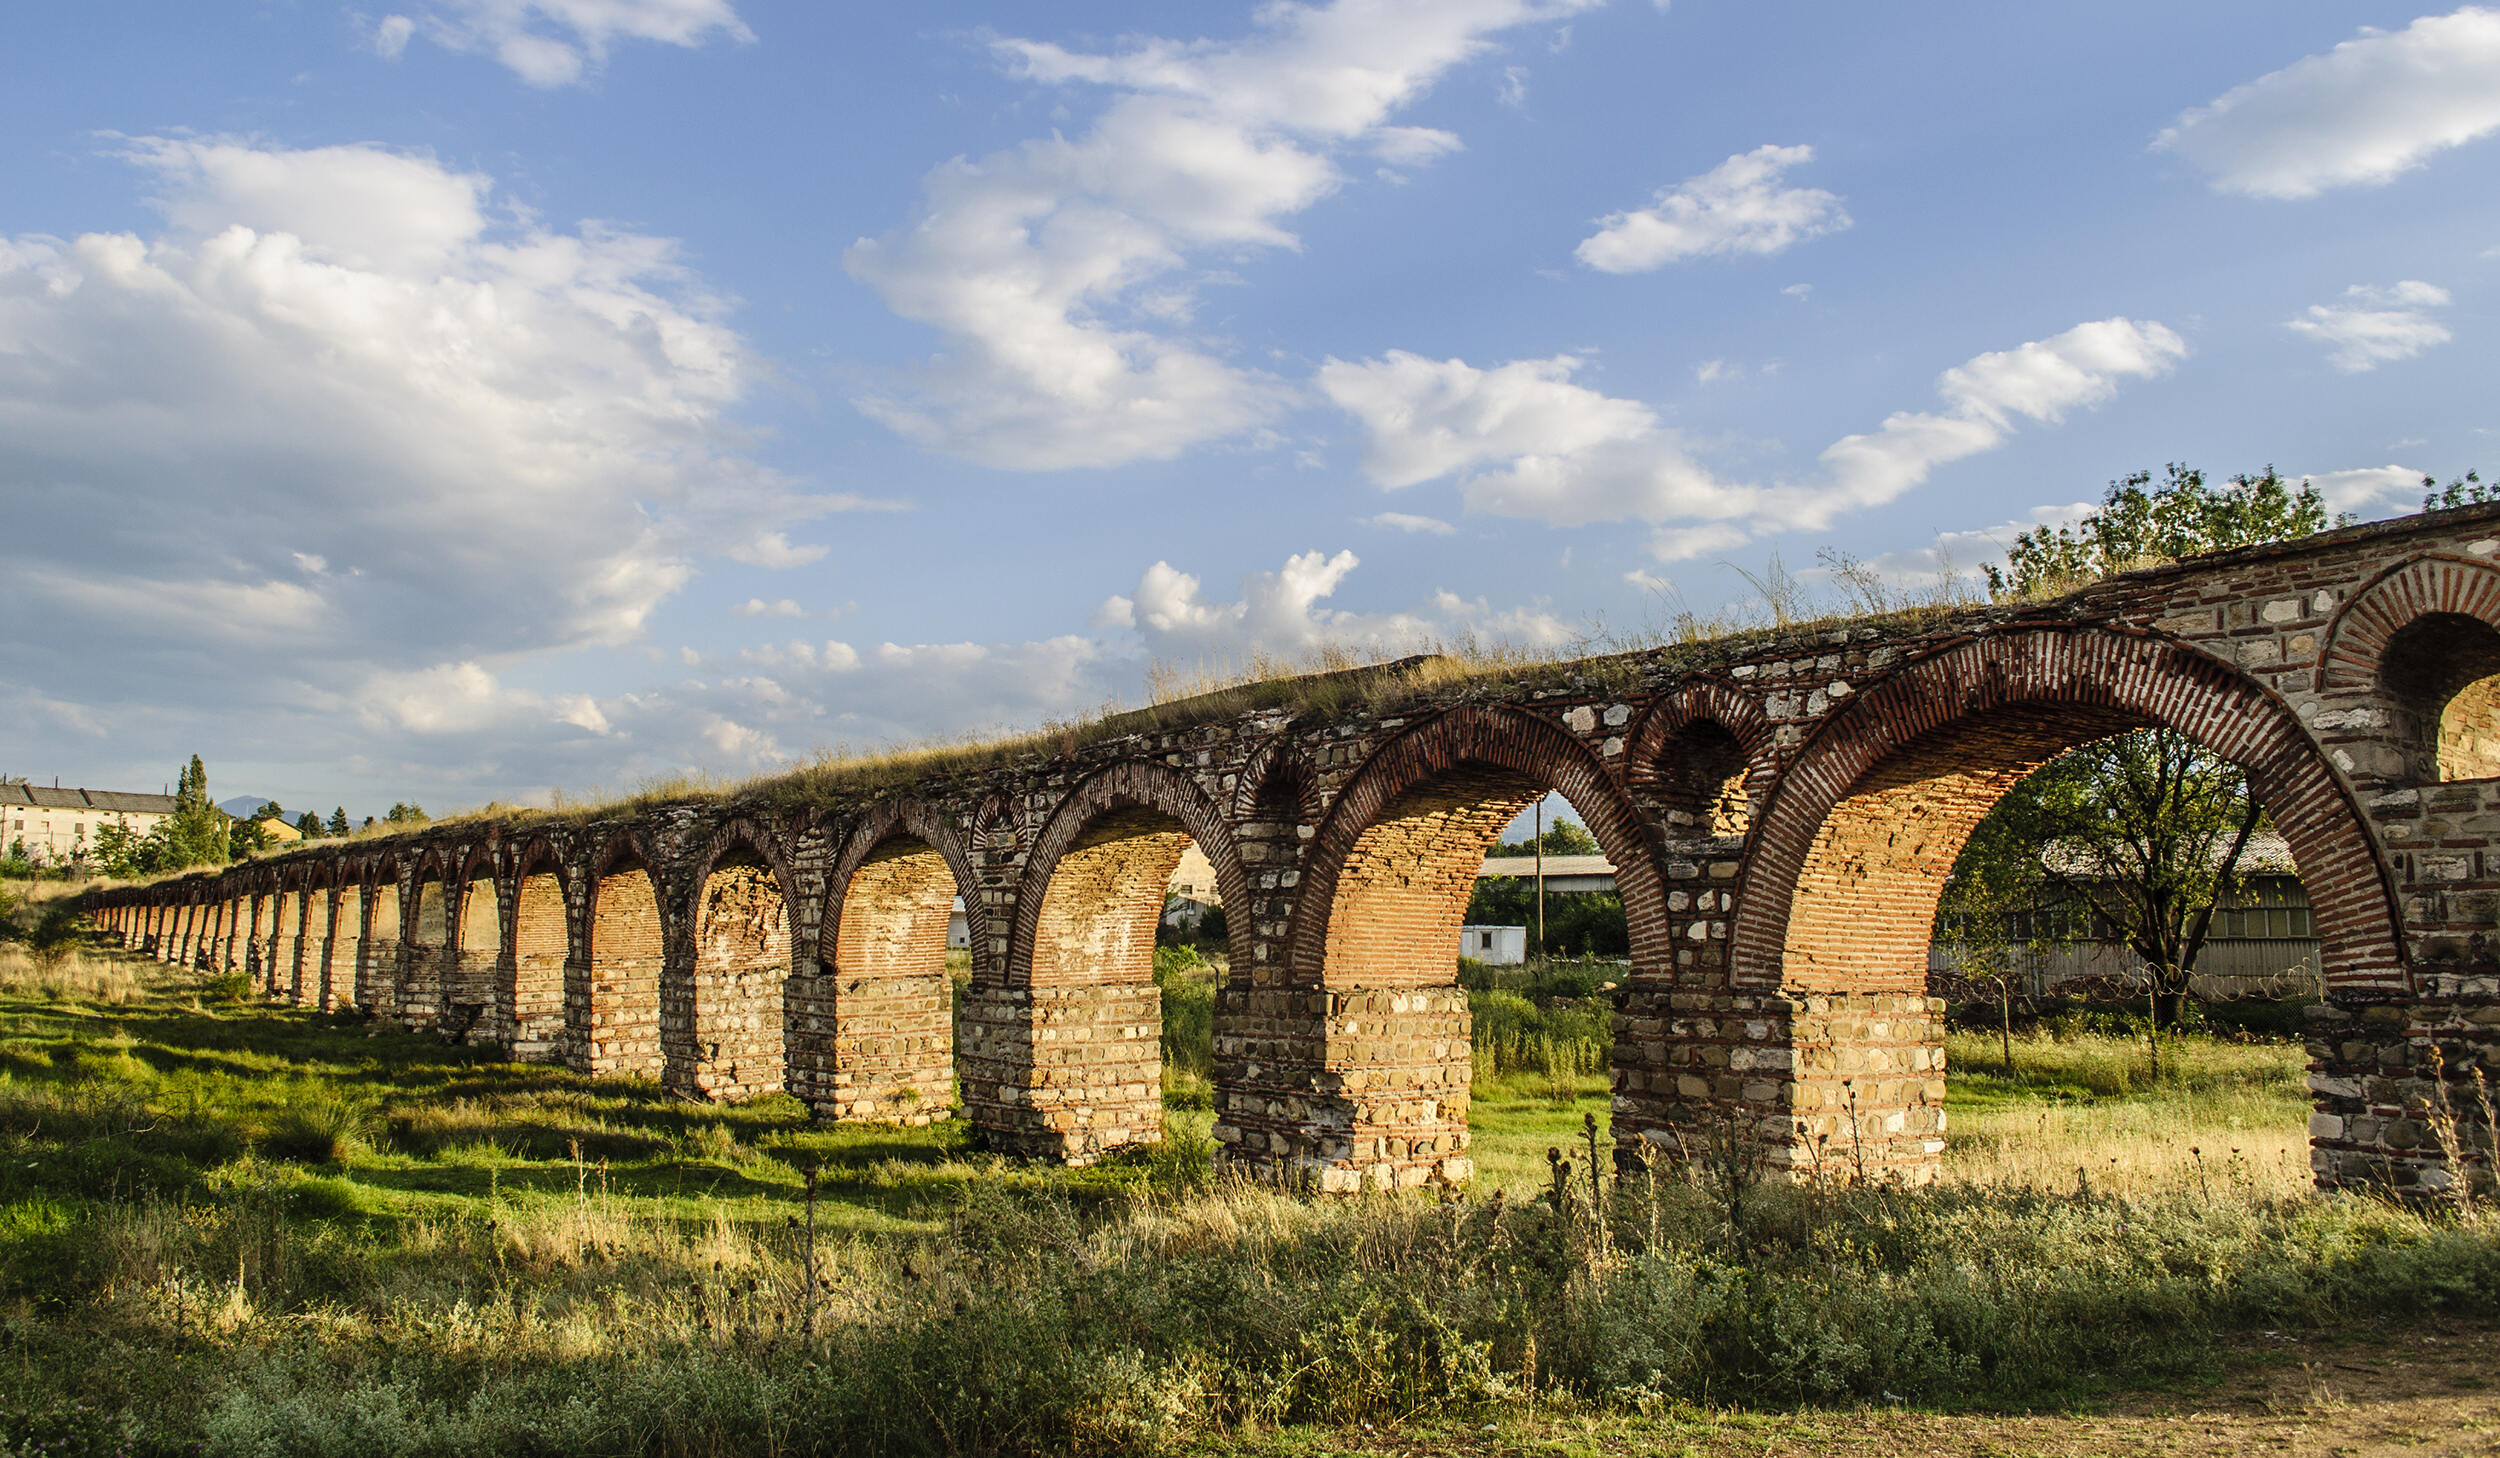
56 825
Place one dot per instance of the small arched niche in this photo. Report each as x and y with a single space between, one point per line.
1696 785
2441 675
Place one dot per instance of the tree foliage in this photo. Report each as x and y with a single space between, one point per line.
2469 489
2140 523
2141 831
195 834
1565 837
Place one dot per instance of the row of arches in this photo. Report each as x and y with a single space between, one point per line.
1779 856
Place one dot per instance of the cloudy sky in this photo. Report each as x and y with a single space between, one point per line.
498 398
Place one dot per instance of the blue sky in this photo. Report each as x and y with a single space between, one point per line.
497 398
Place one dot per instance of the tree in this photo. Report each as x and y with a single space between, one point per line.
2469 489
2140 524
2144 829
118 851
402 813
308 825
338 820
195 834
1565 837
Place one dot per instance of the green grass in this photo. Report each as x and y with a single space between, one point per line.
227 1228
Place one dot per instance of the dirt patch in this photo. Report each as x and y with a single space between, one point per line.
2429 1387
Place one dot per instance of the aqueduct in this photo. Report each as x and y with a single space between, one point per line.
1783 808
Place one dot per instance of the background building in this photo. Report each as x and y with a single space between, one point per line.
55 825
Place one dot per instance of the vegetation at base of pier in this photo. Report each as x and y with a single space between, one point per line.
232 1228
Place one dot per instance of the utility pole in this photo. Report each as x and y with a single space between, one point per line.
1539 843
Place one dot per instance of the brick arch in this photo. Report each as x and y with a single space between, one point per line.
1131 786
1507 742
763 841
2357 636
887 821
623 844
723 1019
543 947
2014 699
1698 704
540 855
1279 776
615 1021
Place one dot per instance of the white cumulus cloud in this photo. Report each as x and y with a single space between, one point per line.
1283 614
2370 491
377 443
2368 111
1057 270
1526 440
558 42
2376 326
1401 521
1739 206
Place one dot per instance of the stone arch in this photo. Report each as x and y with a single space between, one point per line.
721 1025
1700 760
1279 784
475 952
1479 757
2037 692
531 992
286 934
1385 889
874 838
377 945
1064 1055
1853 850
321 933
429 941
1133 801
2421 642
615 1024
873 1032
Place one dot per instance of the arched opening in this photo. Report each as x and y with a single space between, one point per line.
620 1031
321 942
1696 783
1065 1059
377 954
723 1030
233 940
2441 676
259 931
1392 875
2117 909
287 945
881 1035
1857 844
541 945
427 932
476 961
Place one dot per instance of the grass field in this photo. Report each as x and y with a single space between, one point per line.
232 1228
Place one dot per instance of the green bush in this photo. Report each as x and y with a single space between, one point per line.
1187 982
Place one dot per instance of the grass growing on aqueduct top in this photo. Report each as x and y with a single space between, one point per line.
267 1230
